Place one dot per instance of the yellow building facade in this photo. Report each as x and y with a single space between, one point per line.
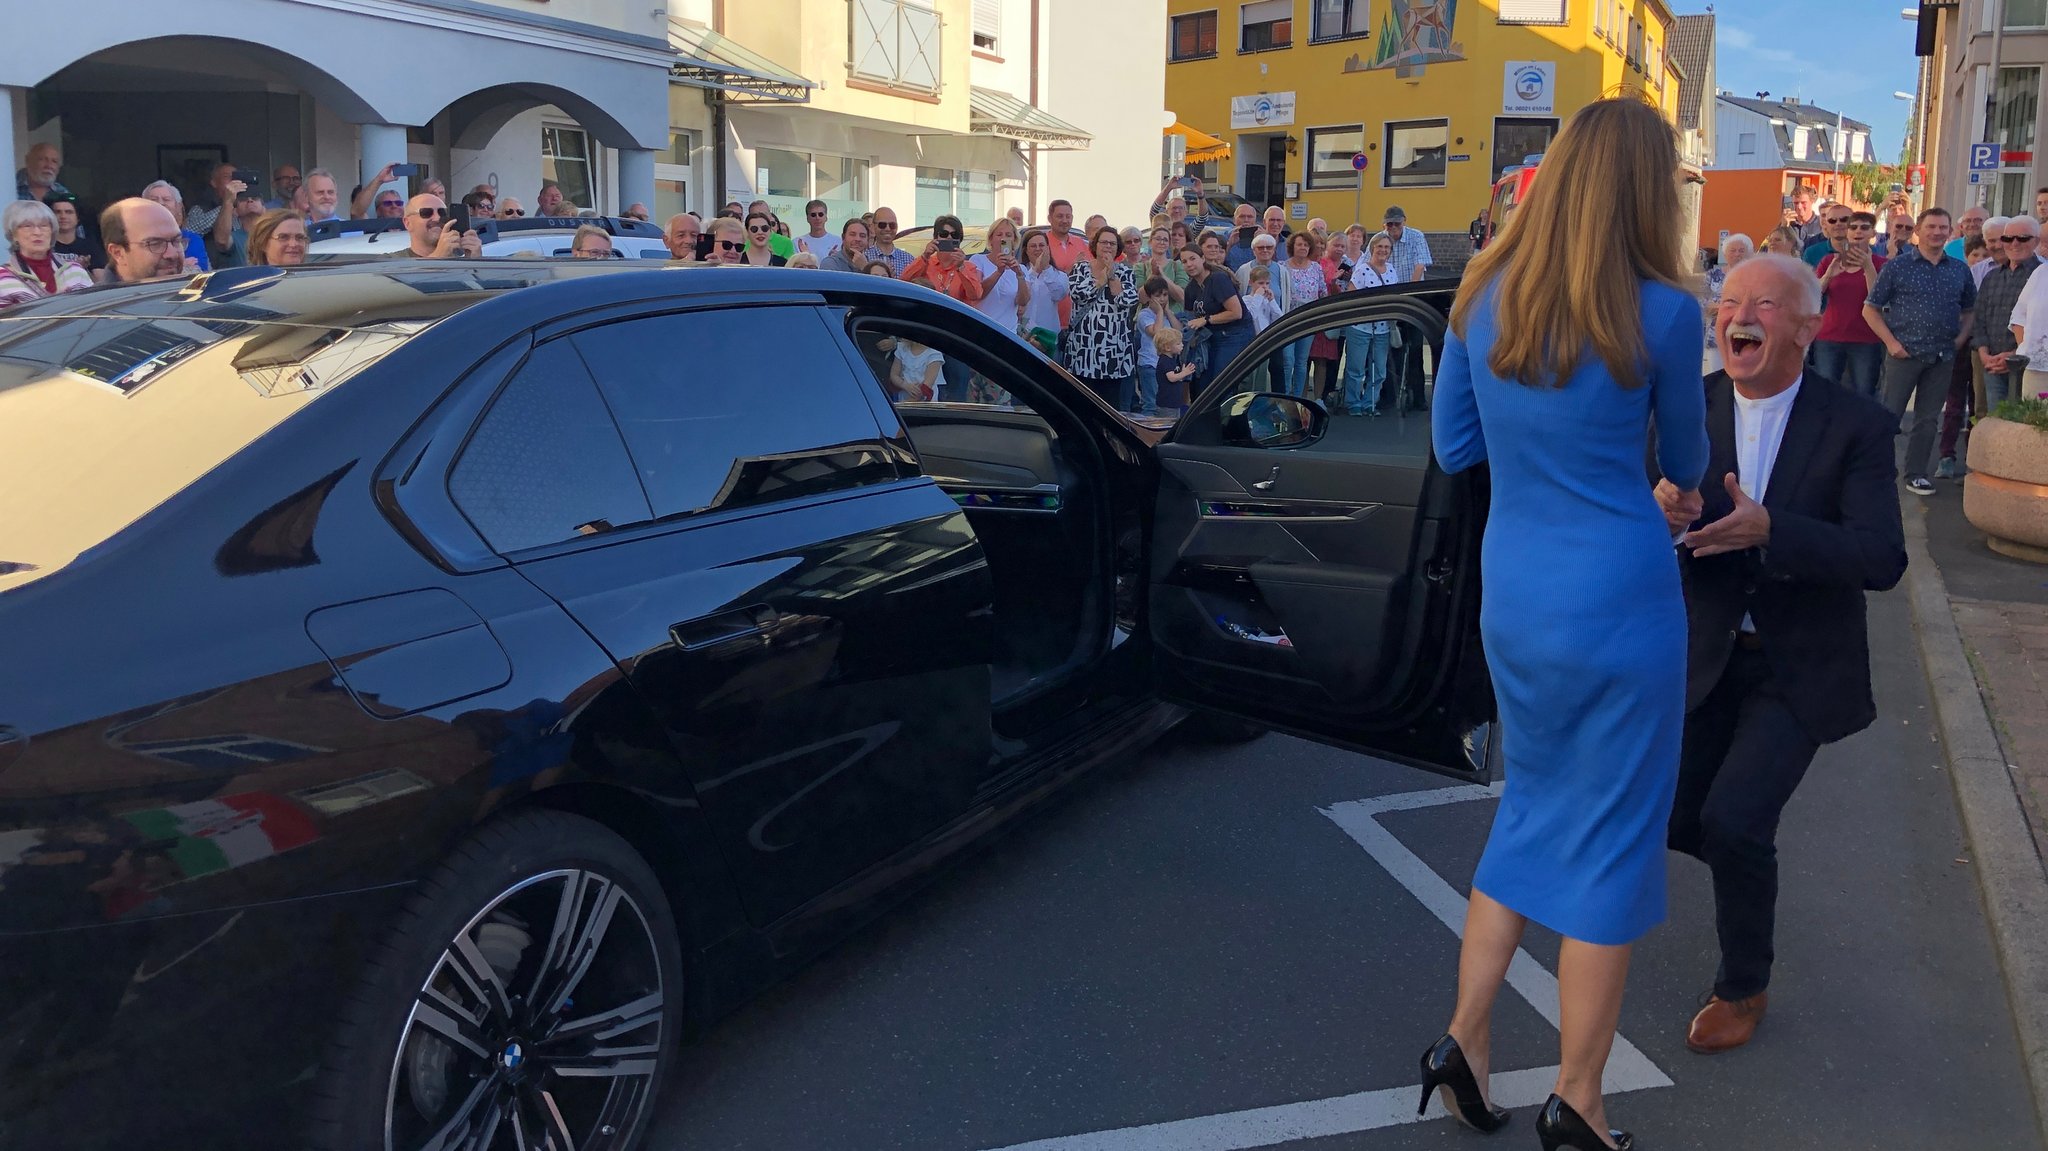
1343 108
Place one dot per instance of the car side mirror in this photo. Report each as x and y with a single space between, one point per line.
1272 420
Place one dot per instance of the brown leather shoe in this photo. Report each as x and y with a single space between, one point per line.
1725 1024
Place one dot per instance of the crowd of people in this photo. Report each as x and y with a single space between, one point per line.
1934 315
1141 314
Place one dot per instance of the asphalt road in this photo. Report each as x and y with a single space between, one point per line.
1211 948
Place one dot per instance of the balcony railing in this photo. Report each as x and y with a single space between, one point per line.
895 43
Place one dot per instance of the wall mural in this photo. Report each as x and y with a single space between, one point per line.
1413 33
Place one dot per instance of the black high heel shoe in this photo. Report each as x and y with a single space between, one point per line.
1444 1066
1560 1126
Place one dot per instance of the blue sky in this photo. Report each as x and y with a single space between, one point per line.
1848 56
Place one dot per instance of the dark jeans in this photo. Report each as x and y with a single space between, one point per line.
1960 402
956 381
1743 756
1224 345
1925 386
1857 367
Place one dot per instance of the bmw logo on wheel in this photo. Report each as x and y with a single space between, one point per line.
512 1056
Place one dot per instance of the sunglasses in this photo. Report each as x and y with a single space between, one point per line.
758 229
945 235
728 245
515 211
432 213
889 224
2017 239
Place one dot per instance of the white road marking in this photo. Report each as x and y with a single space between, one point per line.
1628 1069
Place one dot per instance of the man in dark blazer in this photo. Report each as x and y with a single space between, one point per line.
1797 517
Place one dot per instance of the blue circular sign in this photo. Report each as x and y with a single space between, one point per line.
1358 162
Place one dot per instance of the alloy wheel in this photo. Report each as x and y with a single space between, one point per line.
539 1028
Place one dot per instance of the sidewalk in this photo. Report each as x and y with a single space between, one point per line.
2001 609
1982 621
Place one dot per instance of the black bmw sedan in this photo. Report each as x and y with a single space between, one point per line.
430 694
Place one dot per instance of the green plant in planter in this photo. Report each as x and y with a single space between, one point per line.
2019 410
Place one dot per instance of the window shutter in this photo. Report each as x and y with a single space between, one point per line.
988 19
1266 11
1532 11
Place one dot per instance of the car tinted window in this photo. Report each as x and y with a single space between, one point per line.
545 463
735 407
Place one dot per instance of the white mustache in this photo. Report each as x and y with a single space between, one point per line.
1744 331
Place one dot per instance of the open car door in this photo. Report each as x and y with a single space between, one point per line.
1320 574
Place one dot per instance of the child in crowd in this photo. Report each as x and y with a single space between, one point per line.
914 370
1155 313
1264 308
1173 370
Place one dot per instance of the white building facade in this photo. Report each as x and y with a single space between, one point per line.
480 92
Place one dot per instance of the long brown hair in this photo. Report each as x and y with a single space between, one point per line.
1602 216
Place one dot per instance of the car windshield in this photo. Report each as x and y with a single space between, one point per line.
113 402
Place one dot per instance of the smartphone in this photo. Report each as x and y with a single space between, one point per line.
458 216
247 178
408 169
946 245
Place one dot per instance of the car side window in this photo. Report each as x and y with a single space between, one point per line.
545 463
734 407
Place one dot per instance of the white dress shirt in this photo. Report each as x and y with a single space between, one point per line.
1759 432
2030 315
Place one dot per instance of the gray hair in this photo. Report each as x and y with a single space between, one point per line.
1793 271
2023 223
322 172
1998 222
20 213
153 185
1733 237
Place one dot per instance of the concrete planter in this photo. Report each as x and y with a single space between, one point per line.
2005 496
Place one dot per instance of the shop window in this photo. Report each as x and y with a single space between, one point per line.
672 168
1414 154
943 191
1340 20
2019 105
1329 156
1265 25
1515 139
1194 36
788 180
565 159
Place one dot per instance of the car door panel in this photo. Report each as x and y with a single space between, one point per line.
1331 588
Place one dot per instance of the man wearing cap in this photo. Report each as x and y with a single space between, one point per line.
1411 247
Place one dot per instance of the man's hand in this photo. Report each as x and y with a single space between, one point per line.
1680 508
1897 350
1748 526
472 245
447 245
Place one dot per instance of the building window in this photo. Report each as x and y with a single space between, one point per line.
1635 44
1340 20
1745 144
895 43
988 25
565 159
1600 18
1799 145
1532 12
1265 25
2026 13
1414 153
672 172
788 180
1515 139
1194 36
1329 156
943 191
2019 106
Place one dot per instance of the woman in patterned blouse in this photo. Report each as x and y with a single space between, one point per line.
1105 295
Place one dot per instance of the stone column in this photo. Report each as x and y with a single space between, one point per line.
636 178
381 144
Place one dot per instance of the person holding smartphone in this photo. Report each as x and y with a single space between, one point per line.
1005 295
942 268
433 234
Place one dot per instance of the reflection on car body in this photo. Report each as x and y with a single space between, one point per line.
417 636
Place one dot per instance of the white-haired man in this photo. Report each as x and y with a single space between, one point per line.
1797 517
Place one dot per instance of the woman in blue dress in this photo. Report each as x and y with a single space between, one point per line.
1572 334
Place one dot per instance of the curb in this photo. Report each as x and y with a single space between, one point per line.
2009 870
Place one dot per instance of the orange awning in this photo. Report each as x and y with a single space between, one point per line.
1202 147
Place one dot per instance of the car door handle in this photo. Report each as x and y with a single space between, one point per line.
1266 485
723 627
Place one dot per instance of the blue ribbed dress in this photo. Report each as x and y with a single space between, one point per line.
1582 615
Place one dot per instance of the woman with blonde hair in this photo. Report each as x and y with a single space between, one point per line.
1782 242
1571 332
278 238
